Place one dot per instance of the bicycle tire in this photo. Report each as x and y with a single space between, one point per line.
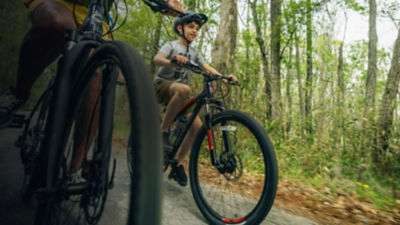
145 198
252 199
30 145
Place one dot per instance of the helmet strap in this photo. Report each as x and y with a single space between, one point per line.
184 37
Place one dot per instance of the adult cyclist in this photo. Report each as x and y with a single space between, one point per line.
43 43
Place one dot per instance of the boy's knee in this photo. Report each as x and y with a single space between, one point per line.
184 92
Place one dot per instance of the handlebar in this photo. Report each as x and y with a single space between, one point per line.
161 6
209 76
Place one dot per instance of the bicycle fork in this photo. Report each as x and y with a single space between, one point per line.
224 160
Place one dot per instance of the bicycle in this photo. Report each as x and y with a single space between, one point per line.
222 161
47 142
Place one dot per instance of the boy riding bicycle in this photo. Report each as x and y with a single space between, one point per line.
172 82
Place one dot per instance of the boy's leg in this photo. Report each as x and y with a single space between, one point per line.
178 93
187 142
178 170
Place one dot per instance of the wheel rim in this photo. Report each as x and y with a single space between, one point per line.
231 194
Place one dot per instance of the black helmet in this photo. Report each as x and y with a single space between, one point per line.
190 16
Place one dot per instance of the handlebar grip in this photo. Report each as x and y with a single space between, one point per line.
173 60
230 81
157 5
235 83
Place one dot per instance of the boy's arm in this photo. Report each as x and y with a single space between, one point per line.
161 60
210 69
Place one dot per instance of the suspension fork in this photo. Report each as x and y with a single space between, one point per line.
210 132
208 123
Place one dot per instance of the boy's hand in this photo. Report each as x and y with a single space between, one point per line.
175 4
180 60
233 77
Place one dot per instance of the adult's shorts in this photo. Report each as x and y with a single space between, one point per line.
80 10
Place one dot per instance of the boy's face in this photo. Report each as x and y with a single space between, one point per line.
191 30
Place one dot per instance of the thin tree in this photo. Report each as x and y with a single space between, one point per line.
300 87
225 42
309 79
276 106
264 56
370 86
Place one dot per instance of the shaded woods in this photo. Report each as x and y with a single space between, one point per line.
331 106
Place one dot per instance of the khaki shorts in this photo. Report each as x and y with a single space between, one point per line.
162 92
80 11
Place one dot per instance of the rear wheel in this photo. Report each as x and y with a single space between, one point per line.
82 200
242 187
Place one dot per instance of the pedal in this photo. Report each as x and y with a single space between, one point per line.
172 161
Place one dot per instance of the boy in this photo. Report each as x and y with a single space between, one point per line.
171 82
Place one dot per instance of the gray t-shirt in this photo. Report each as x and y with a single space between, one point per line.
176 74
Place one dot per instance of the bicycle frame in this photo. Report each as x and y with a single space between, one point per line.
206 98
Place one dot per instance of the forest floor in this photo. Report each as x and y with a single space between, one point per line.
326 208
323 207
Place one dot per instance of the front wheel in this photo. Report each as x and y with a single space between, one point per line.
241 188
99 114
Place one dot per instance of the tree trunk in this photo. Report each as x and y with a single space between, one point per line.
309 79
225 42
289 101
386 111
264 57
276 104
340 97
156 44
203 33
370 86
300 89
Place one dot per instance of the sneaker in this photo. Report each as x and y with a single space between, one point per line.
179 175
9 103
75 176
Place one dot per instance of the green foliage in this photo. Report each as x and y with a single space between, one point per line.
336 158
357 5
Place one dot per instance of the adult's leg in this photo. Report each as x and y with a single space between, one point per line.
42 44
178 93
